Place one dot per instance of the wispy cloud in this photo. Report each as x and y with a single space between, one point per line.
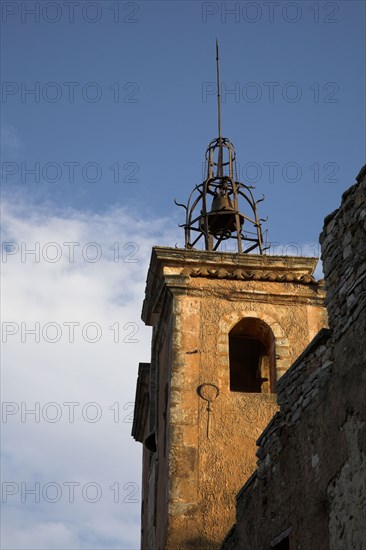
76 371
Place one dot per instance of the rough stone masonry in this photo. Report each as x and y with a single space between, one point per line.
309 489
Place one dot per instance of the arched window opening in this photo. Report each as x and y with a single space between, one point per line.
252 358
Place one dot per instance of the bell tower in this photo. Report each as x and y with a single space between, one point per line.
226 326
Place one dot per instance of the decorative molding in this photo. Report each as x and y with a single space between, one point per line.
250 275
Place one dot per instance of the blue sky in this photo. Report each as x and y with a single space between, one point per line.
123 93
166 51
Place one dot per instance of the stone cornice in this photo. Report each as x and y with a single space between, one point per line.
169 264
183 257
265 296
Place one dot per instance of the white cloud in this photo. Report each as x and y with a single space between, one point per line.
36 450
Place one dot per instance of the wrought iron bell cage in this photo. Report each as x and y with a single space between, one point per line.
222 220
212 210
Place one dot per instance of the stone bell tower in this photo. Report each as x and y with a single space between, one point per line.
226 326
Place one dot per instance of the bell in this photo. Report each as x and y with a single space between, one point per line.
221 218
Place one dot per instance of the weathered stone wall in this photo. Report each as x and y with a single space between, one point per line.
345 272
289 459
310 484
343 252
193 300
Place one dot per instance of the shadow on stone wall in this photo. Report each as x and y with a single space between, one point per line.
202 543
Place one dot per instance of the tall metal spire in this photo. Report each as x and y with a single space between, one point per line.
220 155
224 221
218 88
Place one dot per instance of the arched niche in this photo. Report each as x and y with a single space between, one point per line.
272 345
252 360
